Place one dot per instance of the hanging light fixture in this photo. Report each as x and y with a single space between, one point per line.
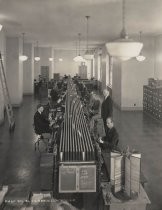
88 54
79 58
140 57
23 57
37 58
1 26
50 59
76 52
124 48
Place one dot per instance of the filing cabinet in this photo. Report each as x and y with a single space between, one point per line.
152 101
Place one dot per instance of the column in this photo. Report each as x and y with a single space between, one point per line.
96 66
88 64
93 68
52 62
2 49
14 69
37 64
28 70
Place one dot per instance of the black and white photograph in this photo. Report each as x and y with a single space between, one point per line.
80 104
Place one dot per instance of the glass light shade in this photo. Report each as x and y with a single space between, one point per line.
88 56
140 58
23 57
50 59
37 58
1 26
79 58
124 49
75 59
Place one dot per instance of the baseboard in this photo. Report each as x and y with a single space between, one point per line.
28 94
131 108
17 105
1 122
128 108
116 106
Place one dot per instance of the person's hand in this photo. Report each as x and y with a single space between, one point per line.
100 140
59 100
52 122
50 118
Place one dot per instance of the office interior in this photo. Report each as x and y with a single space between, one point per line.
49 30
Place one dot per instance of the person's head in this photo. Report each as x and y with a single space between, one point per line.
106 93
40 108
93 94
109 122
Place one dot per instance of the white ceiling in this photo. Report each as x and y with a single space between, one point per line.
57 22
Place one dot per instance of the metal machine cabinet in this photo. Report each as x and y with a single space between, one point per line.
115 204
77 178
152 101
46 171
77 166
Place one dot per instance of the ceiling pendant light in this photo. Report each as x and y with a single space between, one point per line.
140 57
79 58
76 53
88 54
1 26
50 59
124 48
37 58
23 57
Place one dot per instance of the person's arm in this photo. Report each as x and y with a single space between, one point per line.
102 110
111 141
51 93
107 109
101 140
110 107
42 122
38 123
114 140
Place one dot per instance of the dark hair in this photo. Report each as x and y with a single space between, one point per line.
39 105
110 119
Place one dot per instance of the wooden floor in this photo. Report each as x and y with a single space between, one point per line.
19 163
